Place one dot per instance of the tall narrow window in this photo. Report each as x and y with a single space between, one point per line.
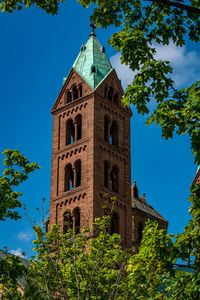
106 126
75 92
106 174
114 223
80 91
115 99
114 134
67 222
78 173
78 122
70 132
140 230
105 91
114 177
69 97
69 178
110 94
77 220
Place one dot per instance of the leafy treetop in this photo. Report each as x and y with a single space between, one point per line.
17 170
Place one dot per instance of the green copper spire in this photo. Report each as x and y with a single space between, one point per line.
92 63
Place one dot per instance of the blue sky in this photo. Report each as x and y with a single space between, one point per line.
37 51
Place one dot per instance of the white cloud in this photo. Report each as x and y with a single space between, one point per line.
185 64
124 73
25 235
19 252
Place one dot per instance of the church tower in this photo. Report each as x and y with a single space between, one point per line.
91 146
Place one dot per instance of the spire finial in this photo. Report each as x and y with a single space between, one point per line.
93 27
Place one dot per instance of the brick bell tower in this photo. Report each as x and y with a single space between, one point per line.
91 146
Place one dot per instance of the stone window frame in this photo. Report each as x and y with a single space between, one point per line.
73 174
74 133
111 131
111 94
72 220
74 93
114 178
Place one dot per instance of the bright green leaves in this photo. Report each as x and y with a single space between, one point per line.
50 6
18 166
12 270
149 270
17 170
150 81
82 266
94 266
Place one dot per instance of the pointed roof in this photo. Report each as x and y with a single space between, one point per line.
92 63
141 204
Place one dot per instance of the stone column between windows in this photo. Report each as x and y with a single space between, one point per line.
75 177
76 133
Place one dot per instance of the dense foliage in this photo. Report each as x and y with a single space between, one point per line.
17 170
64 268
50 6
92 264
142 24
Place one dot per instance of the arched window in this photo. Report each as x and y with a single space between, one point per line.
114 223
106 126
80 90
110 94
78 121
69 97
69 178
114 177
106 173
114 134
115 99
77 171
105 91
75 92
77 222
67 222
93 69
70 132
140 230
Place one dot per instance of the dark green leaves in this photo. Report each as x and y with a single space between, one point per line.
50 6
143 24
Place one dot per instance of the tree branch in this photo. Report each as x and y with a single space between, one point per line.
178 5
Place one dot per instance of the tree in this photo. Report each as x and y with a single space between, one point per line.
152 273
17 170
50 6
18 167
170 268
92 264
88 265
142 24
